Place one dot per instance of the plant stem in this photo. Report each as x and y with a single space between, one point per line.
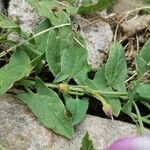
99 97
139 118
87 90
38 34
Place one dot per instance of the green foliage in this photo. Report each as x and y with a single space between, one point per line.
116 68
143 59
86 144
53 53
18 68
88 7
144 91
5 22
147 2
49 109
77 108
73 61
71 1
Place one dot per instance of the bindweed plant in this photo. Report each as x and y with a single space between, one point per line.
56 45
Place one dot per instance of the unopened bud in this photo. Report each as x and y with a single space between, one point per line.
63 88
108 110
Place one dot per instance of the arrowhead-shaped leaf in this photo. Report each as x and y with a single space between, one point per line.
87 144
141 65
144 90
49 109
145 52
142 61
116 67
18 67
77 108
91 8
57 41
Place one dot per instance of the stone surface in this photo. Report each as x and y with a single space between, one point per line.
122 6
23 13
98 36
19 130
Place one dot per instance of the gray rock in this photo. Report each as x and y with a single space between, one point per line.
19 130
97 34
24 14
98 37
122 6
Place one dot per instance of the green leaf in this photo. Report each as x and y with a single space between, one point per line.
91 8
142 61
49 109
18 68
86 2
147 2
100 82
141 65
144 90
72 10
5 22
57 41
71 1
87 144
77 108
51 10
41 41
144 54
53 52
73 61
127 108
116 67
115 105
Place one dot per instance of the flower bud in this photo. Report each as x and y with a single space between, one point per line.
63 88
108 110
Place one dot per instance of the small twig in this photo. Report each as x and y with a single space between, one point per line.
131 78
116 32
131 11
137 42
60 3
78 42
